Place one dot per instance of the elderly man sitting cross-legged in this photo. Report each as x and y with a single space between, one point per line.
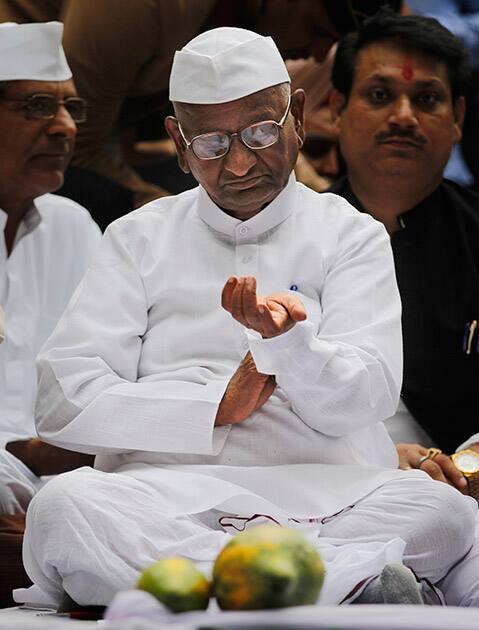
206 418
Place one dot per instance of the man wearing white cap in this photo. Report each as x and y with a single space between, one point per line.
206 419
48 240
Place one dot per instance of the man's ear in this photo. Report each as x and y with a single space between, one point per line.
171 126
297 110
459 113
337 103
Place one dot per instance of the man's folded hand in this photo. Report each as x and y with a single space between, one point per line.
247 391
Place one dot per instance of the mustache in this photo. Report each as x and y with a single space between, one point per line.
58 146
400 134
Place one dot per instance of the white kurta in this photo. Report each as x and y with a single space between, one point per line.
53 247
52 250
139 363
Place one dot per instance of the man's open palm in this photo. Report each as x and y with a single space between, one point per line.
269 315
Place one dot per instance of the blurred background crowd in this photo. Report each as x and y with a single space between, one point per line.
120 52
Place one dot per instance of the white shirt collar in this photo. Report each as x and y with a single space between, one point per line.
30 220
270 217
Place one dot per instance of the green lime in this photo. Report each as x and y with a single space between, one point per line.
176 583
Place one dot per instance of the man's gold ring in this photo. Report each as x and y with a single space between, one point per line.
431 454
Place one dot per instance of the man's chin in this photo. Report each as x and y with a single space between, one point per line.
246 208
396 163
48 181
245 202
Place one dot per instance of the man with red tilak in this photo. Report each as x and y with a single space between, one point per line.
399 107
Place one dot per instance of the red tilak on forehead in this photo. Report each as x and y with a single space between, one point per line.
407 70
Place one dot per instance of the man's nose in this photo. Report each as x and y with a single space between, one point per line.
402 113
240 159
62 124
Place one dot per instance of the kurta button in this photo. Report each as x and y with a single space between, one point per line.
246 259
243 230
245 345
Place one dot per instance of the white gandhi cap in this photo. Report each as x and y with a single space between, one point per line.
225 64
32 52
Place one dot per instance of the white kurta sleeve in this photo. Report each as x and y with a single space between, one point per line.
474 439
89 396
344 372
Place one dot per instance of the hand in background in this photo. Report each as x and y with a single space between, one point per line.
440 468
45 459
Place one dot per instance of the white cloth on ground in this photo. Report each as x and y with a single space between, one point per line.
118 525
53 247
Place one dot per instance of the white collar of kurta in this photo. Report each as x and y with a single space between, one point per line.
31 220
270 217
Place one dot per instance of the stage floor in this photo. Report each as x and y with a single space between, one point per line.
365 617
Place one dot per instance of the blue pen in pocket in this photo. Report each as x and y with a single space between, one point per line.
465 336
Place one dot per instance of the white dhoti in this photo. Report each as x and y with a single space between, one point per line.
461 584
90 533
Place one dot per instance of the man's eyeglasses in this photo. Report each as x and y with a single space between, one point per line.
45 107
214 145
